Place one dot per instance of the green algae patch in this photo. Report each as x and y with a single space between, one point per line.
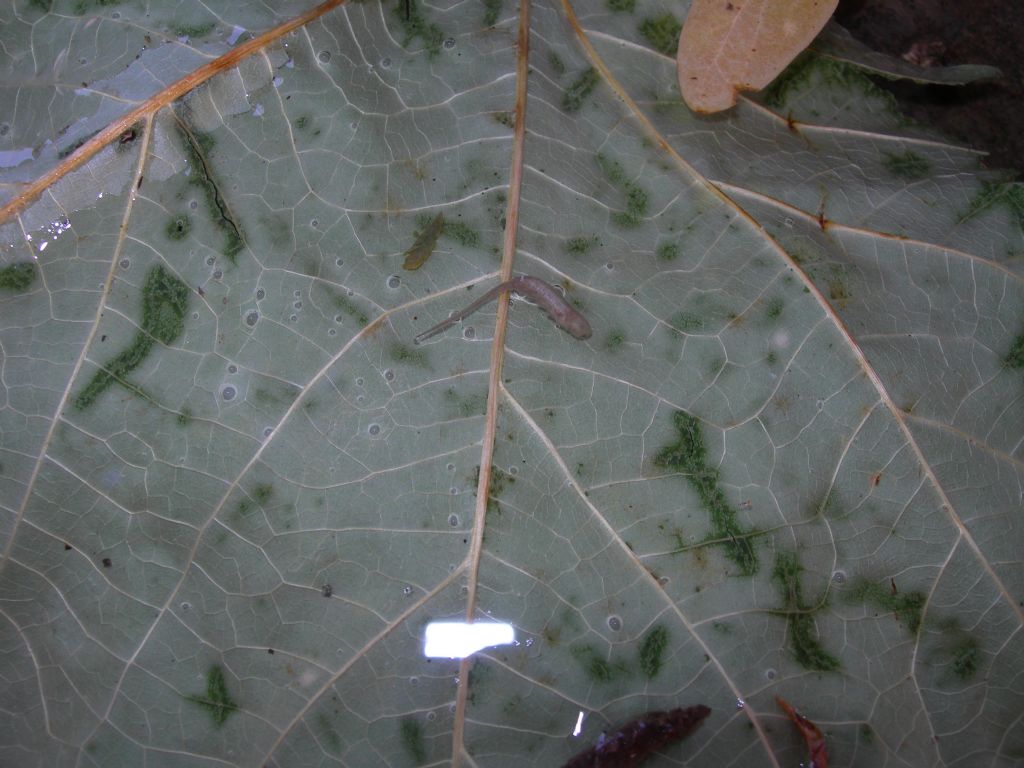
17 277
907 606
636 197
411 734
803 636
652 648
579 90
907 165
217 702
662 32
688 456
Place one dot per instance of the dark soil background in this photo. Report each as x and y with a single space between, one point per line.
988 116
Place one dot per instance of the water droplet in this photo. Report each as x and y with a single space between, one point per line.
332 332
469 332
513 470
374 429
232 369
609 267
314 223
228 393
195 315
193 204
453 491
209 261
297 305
251 318
820 404
268 431
451 467
359 381
614 623
394 281
260 294
449 43
324 57
293 318
455 680
217 274
406 591
389 375
339 262
385 63
740 704
278 81
296 294
453 521
770 674
431 717
839 577
414 681
124 264
186 606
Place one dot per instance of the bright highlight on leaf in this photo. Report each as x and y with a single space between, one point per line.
729 46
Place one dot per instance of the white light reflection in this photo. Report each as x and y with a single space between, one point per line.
458 639
579 725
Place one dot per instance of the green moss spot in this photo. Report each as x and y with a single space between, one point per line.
402 354
662 32
302 121
811 71
966 658
416 26
771 357
596 667
807 649
557 65
907 165
614 340
1015 357
867 735
636 198
621 6
993 193
492 10
17 277
668 251
217 702
262 493
462 234
327 735
837 290
774 309
466 405
411 734
578 246
178 227
651 649
686 322
508 119
688 456
906 605
722 627
164 303
192 30
579 90
184 417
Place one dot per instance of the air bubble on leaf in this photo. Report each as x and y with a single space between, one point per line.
260 294
124 264
453 491
232 369
332 332
431 717
339 262
740 704
839 576
268 431
614 623
296 293
294 318
360 399
228 393
324 57
456 681
297 305
217 274
186 606
609 267
513 470
278 81
359 381
449 43
394 281
193 204
209 261
373 429
451 467
788 222
389 375
414 681
820 404
251 318
406 591
453 521
469 332
385 63
770 674
195 315
5 128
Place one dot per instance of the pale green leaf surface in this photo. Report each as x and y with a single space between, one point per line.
229 557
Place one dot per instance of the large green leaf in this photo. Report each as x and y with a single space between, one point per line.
787 462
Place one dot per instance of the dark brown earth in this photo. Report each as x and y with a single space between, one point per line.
987 116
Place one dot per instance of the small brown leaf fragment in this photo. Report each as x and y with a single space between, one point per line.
638 739
725 48
420 251
811 733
